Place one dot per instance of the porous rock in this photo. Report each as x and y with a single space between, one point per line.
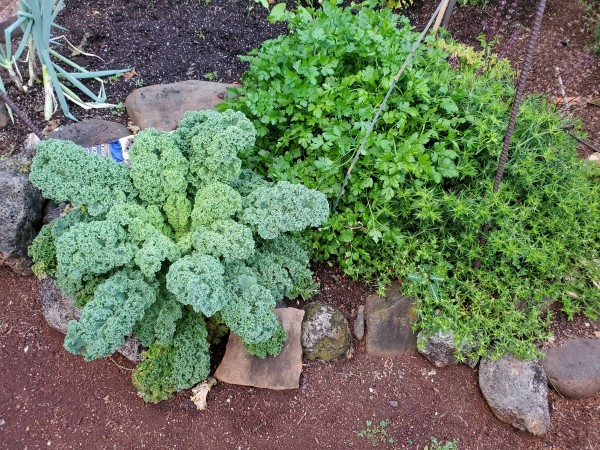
162 106
20 211
91 132
325 334
573 369
359 323
439 348
58 310
390 322
275 372
4 117
517 392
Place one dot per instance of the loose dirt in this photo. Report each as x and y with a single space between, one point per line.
52 399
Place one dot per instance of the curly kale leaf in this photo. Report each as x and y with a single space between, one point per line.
117 305
290 254
270 347
158 169
165 370
250 312
197 280
213 202
90 249
225 239
212 142
140 222
248 181
64 171
160 321
43 253
156 249
284 207
178 210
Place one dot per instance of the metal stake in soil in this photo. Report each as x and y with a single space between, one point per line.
515 109
21 114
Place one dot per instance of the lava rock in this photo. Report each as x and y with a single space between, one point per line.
20 211
162 106
90 132
441 351
325 334
52 210
517 393
573 369
390 322
58 310
275 372
359 323
4 117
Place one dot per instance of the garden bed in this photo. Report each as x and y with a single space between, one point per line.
53 397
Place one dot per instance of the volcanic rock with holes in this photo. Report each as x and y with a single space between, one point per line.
516 392
389 322
439 348
574 368
275 372
325 334
20 212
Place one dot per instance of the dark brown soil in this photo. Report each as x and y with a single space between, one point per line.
52 399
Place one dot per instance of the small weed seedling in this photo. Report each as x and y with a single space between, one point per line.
437 445
210 76
376 434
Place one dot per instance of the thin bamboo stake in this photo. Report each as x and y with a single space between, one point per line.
448 13
440 16
383 103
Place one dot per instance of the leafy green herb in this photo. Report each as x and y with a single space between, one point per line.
421 193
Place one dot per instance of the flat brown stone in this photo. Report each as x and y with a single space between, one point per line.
275 372
389 323
162 106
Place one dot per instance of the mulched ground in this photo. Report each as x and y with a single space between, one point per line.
52 399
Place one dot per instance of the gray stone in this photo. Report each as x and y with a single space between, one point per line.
162 106
573 369
91 132
275 372
359 323
8 15
4 117
389 323
52 210
325 334
20 211
58 310
441 351
393 403
517 393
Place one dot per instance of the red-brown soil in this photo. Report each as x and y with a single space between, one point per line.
52 399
